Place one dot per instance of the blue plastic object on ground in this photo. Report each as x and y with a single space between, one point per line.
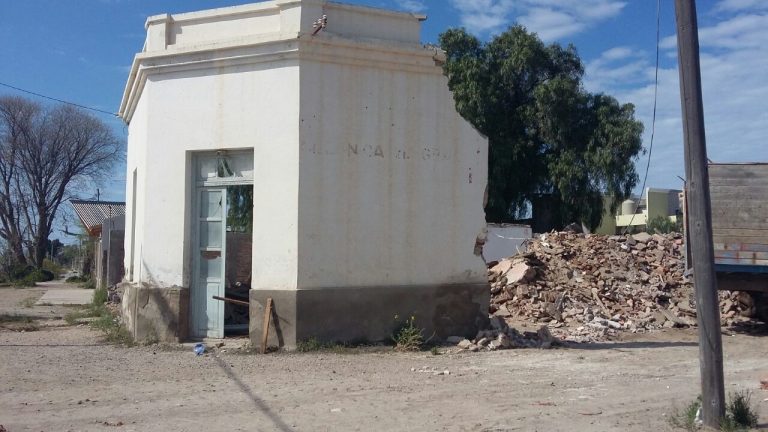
199 348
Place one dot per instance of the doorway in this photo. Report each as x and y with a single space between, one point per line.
237 265
222 245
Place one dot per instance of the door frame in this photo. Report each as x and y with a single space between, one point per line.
198 186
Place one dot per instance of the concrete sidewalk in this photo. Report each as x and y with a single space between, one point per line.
62 293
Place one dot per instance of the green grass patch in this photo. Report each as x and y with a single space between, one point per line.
315 345
106 321
13 318
114 332
28 302
686 418
76 279
24 283
408 337
739 414
18 322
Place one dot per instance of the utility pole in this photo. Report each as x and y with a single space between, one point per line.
700 222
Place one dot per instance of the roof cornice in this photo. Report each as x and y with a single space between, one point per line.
265 48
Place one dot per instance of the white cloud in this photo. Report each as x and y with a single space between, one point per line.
619 66
739 5
551 19
411 5
482 16
734 68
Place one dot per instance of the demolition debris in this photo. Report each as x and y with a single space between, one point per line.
584 288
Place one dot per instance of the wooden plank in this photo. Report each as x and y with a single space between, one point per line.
729 190
723 200
743 240
738 170
739 226
739 261
737 205
742 222
741 246
233 301
265 327
742 232
738 175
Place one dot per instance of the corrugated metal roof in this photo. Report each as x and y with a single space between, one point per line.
93 213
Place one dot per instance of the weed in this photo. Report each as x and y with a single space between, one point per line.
408 337
24 283
18 322
315 345
106 321
99 296
309 345
76 279
28 302
89 284
686 418
739 412
13 318
434 350
114 332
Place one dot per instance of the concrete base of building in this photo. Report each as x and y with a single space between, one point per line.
367 314
152 313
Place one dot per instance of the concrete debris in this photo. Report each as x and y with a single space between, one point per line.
587 287
507 338
431 371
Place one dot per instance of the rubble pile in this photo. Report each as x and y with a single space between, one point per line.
587 287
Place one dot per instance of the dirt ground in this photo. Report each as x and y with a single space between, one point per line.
63 378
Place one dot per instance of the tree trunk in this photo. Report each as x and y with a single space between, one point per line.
40 245
17 250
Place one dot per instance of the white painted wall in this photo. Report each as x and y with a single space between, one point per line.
364 173
136 161
503 241
392 179
233 108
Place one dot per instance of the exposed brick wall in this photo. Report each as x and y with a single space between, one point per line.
238 266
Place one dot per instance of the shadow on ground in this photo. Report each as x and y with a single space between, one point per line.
629 345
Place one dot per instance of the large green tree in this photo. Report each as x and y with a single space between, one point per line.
550 141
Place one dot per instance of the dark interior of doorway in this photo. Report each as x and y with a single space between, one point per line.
237 267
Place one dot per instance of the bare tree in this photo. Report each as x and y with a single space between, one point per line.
45 153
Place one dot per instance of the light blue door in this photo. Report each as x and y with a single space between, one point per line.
210 248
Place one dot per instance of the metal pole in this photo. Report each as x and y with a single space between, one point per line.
702 251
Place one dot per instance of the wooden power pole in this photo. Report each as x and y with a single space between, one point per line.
700 222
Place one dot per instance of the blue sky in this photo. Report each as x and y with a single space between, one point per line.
81 50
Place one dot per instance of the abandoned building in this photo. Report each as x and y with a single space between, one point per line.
304 151
104 222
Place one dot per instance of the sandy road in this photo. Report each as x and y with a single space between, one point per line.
64 379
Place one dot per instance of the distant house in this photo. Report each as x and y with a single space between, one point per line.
639 212
104 221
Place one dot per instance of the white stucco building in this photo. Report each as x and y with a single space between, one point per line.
328 171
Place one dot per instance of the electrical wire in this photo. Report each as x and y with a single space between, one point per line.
58 100
655 100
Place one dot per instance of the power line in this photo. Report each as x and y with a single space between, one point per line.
653 120
58 100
